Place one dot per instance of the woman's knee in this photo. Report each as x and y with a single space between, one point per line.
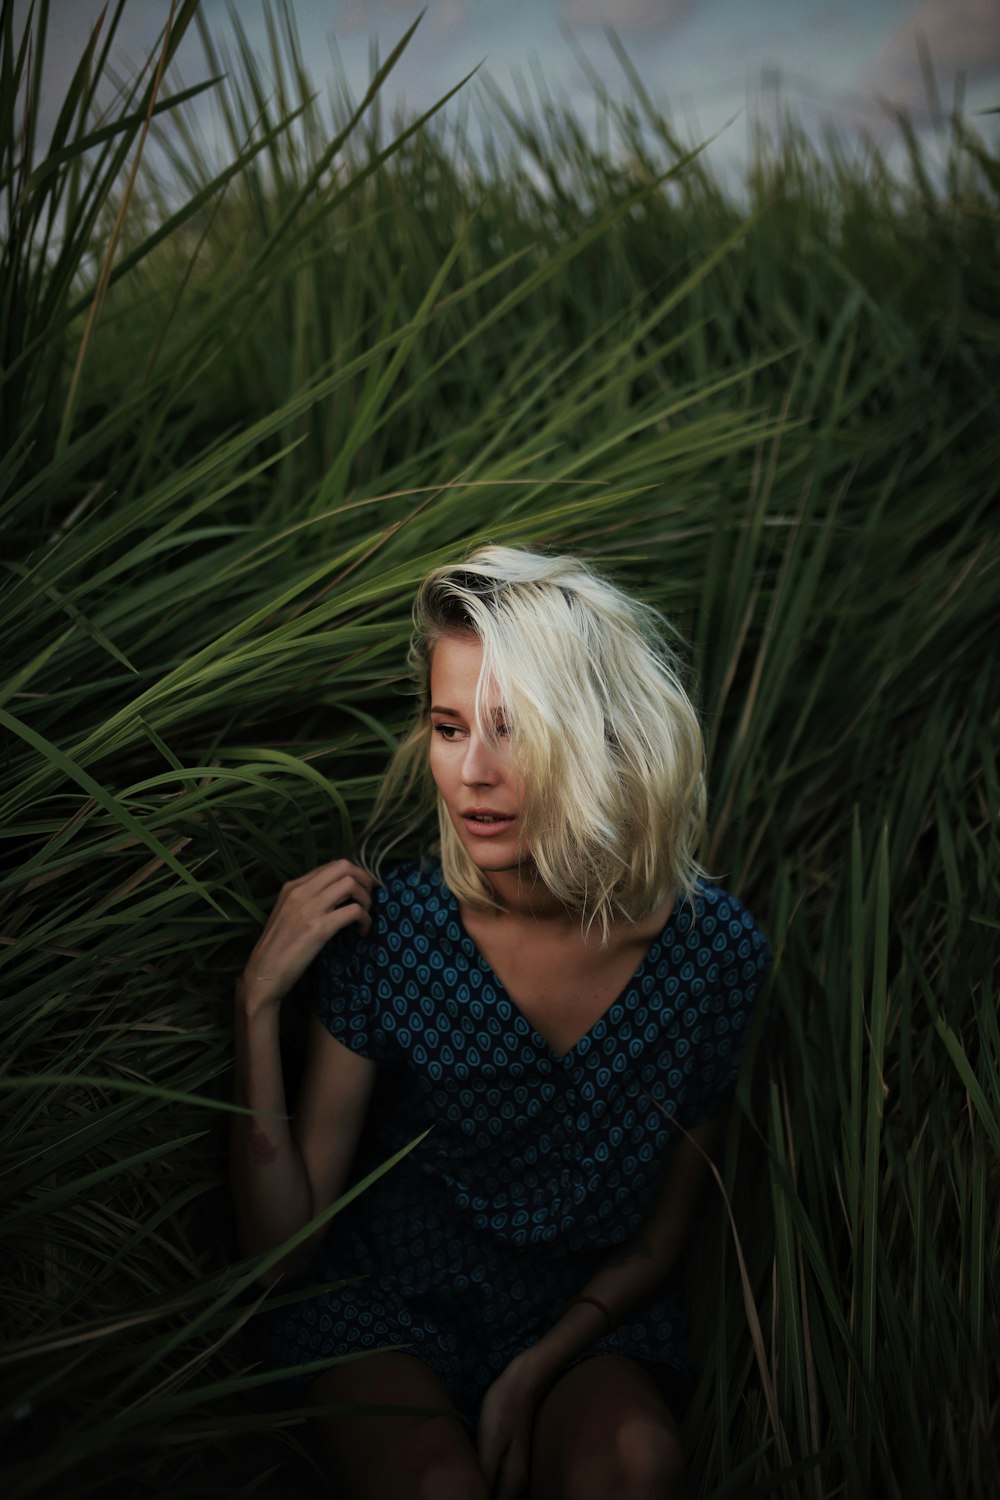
645 1461
419 1449
439 1463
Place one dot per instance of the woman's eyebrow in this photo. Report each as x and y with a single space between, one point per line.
453 713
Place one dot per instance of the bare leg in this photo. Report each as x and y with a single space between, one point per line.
604 1432
409 1456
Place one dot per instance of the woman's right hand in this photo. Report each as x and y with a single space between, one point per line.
307 913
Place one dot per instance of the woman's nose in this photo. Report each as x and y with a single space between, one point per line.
479 765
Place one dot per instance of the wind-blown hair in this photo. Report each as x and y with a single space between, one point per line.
598 723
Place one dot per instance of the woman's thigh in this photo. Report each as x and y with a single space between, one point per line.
420 1451
605 1431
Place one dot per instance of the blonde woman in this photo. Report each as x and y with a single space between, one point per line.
560 1000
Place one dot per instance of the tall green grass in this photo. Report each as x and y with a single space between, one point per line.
245 406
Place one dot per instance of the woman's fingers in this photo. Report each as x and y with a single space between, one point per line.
503 1465
346 888
488 1462
352 911
321 889
488 1446
306 915
308 918
512 1479
334 869
299 904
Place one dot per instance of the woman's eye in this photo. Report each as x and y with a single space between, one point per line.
447 732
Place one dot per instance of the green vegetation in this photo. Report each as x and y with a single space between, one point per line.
241 417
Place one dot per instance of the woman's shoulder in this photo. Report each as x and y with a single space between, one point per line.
409 902
724 923
715 901
411 883
410 897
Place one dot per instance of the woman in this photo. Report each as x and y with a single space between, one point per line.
560 1001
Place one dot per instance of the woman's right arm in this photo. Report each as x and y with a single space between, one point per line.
284 1172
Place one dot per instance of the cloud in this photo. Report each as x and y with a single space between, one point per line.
625 15
962 36
442 15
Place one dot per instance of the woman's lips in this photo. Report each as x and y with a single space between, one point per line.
487 825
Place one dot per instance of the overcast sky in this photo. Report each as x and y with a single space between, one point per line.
707 60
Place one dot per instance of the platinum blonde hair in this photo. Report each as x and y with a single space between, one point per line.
601 730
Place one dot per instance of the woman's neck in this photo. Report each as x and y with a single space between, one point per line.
522 893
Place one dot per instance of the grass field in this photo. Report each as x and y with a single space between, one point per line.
241 417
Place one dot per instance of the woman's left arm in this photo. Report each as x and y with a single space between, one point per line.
625 1279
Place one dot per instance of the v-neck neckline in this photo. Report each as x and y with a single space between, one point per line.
585 1041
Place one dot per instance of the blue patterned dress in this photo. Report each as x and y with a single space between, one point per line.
537 1165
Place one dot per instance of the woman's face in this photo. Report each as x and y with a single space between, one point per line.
477 783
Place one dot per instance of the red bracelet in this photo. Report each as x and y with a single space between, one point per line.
594 1303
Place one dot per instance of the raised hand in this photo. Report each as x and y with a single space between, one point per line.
307 913
505 1422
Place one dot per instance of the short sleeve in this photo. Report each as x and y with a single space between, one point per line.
342 993
727 1011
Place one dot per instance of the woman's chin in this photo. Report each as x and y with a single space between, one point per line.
498 859
494 856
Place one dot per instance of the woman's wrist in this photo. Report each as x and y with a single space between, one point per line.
536 1367
256 993
579 1325
596 1302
